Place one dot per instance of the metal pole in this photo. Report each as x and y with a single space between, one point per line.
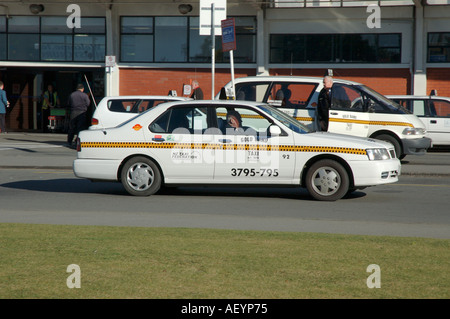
213 50
90 91
232 73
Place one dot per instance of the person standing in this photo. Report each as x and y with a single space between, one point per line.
50 100
78 103
197 94
324 103
3 105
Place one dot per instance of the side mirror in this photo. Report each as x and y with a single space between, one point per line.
274 130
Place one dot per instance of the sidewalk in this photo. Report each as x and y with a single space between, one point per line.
47 150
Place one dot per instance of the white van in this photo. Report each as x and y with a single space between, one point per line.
434 111
361 112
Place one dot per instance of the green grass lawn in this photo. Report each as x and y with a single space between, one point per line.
133 262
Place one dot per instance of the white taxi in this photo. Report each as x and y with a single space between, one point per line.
434 111
231 143
113 110
355 108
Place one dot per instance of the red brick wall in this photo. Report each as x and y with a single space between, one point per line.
384 81
160 82
438 79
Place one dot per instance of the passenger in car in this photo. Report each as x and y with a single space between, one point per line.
284 95
234 123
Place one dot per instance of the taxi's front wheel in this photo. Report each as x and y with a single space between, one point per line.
327 180
141 176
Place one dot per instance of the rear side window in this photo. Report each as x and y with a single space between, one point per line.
291 95
440 108
132 105
122 106
249 91
279 94
181 120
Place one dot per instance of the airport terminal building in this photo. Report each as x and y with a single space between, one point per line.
150 47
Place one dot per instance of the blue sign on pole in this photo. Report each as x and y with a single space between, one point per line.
228 35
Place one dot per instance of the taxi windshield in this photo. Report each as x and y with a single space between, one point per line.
285 119
388 105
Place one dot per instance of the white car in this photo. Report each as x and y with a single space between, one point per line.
194 143
113 110
434 111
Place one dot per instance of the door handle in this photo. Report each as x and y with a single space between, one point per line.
433 121
334 113
158 139
225 141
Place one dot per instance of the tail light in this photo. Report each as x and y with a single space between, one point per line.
94 121
78 144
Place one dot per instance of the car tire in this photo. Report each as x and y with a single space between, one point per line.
394 142
141 176
327 180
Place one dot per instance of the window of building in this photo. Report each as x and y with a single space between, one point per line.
171 39
439 47
335 48
89 48
2 38
136 39
144 39
25 38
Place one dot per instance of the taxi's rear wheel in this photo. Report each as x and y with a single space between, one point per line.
141 176
327 180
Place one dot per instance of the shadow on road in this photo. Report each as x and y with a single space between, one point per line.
83 186
68 185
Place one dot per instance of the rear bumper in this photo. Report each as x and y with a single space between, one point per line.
416 146
96 169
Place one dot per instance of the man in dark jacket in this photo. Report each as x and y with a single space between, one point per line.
324 103
79 103
197 94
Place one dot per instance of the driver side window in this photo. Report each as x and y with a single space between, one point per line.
241 121
344 97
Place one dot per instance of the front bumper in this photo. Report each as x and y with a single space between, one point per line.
417 146
370 173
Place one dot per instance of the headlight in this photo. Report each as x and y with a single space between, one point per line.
413 131
377 154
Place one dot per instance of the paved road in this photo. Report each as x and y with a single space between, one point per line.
37 185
